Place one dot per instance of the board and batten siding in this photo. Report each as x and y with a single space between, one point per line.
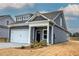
4 31
60 35
51 34
3 21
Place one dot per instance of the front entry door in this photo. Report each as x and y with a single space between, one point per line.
38 36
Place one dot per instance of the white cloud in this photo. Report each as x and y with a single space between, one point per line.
70 18
14 5
71 11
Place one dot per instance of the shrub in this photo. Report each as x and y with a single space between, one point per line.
34 44
76 34
22 47
39 44
43 42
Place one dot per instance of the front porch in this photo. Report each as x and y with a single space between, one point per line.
38 33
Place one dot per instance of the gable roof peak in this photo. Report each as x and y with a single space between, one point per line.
37 13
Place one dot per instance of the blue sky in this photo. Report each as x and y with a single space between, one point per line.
71 11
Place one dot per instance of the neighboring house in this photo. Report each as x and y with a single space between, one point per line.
4 21
39 26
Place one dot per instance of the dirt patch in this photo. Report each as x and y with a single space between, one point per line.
70 48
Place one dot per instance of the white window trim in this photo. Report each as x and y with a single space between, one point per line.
44 34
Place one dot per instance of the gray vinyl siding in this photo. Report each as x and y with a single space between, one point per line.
60 35
57 21
3 21
4 31
39 18
51 15
63 22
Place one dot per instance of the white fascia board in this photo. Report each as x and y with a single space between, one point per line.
38 24
45 17
37 15
56 16
31 18
34 16
38 21
14 25
42 16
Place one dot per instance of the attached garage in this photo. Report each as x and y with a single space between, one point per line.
20 35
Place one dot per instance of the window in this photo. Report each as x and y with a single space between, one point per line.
26 17
45 34
53 36
7 22
19 18
60 21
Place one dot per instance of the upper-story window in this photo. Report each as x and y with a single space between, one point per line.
26 17
44 34
7 22
19 18
23 17
61 21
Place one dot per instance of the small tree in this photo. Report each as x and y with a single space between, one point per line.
71 35
76 34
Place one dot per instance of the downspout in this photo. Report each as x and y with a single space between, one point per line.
9 35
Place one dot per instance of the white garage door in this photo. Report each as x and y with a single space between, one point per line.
20 35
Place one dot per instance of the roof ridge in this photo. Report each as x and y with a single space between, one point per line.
24 14
4 15
53 11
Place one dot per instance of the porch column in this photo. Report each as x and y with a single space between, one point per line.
33 34
52 34
47 34
29 35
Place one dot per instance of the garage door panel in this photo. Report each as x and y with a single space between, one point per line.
20 35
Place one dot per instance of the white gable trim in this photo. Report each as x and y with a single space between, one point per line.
45 17
31 18
56 16
39 14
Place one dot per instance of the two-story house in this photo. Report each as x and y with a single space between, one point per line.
49 26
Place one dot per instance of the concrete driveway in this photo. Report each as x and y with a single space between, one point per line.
12 45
